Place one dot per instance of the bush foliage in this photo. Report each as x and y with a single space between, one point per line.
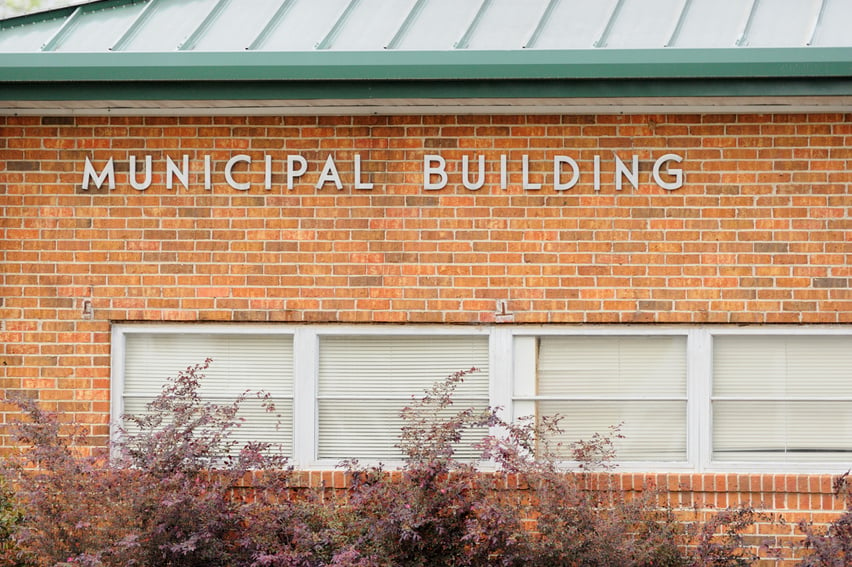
831 547
169 495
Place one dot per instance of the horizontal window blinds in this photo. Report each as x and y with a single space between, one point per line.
598 382
714 397
364 382
240 363
782 398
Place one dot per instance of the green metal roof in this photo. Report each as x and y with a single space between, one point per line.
403 55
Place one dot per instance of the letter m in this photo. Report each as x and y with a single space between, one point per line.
89 174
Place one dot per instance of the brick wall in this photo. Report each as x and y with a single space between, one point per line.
780 501
759 233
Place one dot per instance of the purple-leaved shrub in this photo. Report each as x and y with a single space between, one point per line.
164 497
170 493
439 510
831 546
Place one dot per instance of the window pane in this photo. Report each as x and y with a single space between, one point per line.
258 425
782 431
782 366
240 363
370 429
652 430
780 398
599 382
365 381
612 366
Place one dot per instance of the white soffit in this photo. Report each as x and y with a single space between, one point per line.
675 105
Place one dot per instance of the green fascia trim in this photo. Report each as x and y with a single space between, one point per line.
425 90
428 65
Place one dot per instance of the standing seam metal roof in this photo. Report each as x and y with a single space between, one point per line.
427 25
111 55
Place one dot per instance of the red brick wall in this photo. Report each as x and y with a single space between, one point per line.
759 233
780 502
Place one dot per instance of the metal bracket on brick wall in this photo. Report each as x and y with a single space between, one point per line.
87 312
502 314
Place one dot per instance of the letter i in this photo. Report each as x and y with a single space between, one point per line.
267 177
208 176
597 173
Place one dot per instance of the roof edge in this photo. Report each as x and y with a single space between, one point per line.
665 63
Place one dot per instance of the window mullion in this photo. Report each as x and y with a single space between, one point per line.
525 371
305 372
501 357
117 371
699 389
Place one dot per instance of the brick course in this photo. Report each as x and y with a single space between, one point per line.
759 233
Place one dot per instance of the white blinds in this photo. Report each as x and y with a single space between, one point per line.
601 381
742 397
240 363
782 398
364 382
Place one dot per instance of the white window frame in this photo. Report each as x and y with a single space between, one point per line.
319 331
119 335
506 378
306 340
526 397
745 466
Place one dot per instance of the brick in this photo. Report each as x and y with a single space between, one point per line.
831 282
23 165
758 234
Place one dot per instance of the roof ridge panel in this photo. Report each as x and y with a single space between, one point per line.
370 25
833 24
743 37
684 11
134 26
817 21
63 31
204 26
574 26
794 28
542 21
410 18
273 23
503 24
328 39
464 40
642 24
165 24
610 23
435 24
303 26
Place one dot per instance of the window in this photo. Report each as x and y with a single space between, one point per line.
337 394
240 363
597 382
782 398
714 398
364 382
